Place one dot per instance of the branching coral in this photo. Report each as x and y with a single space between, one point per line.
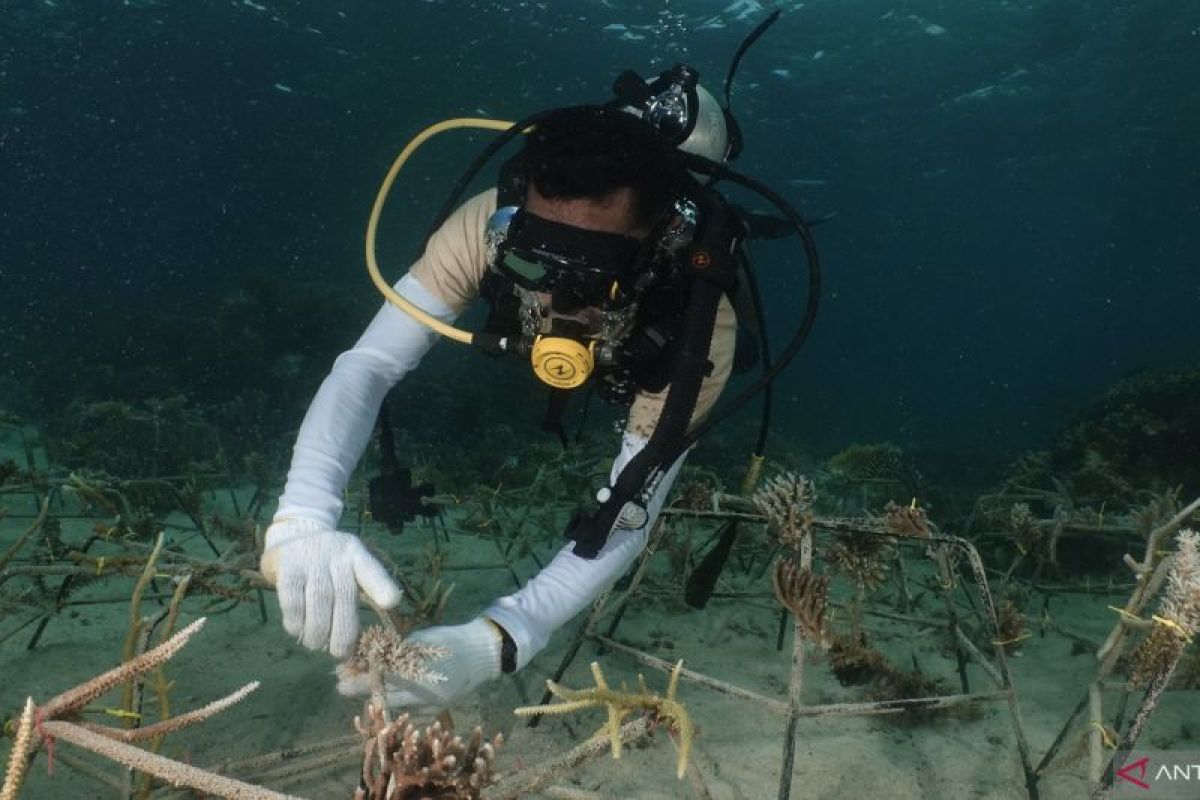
400 762
154 438
853 661
910 520
1160 508
697 495
1178 619
19 758
382 650
49 723
1024 527
786 501
1031 469
804 593
863 558
666 710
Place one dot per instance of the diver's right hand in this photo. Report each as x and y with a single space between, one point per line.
317 573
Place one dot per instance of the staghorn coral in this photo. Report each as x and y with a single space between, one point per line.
1024 527
50 724
804 593
402 763
620 704
910 520
786 501
862 558
176 773
1097 478
18 760
1178 619
428 601
854 662
901 684
1160 508
383 650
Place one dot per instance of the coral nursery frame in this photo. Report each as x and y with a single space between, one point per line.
996 668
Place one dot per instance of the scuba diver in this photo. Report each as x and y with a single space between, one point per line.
608 260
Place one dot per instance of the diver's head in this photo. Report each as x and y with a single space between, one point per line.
603 160
598 182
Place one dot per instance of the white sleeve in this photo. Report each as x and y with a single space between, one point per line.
569 583
340 418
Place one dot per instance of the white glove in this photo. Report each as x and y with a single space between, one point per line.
317 573
473 658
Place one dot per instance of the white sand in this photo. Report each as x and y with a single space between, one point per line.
738 746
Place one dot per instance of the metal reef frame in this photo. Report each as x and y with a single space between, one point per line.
966 650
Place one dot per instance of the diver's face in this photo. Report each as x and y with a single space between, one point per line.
612 213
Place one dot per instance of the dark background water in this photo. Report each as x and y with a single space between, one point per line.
1016 182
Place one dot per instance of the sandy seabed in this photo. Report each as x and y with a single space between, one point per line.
953 754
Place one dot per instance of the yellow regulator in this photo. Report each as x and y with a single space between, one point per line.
562 363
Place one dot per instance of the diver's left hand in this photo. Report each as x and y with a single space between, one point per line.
473 657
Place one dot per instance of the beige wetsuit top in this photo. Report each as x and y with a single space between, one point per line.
453 267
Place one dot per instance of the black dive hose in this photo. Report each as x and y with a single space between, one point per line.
700 584
810 312
665 456
764 423
750 39
690 367
734 129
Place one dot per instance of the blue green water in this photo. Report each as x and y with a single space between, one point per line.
1015 182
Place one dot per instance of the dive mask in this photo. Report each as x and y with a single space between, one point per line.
578 268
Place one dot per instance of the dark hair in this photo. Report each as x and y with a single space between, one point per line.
592 151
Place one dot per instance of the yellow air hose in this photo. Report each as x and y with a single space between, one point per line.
393 297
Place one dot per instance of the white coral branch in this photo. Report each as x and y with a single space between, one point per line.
86 692
786 501
18 759
392 654
1181 604
173 772
177 722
